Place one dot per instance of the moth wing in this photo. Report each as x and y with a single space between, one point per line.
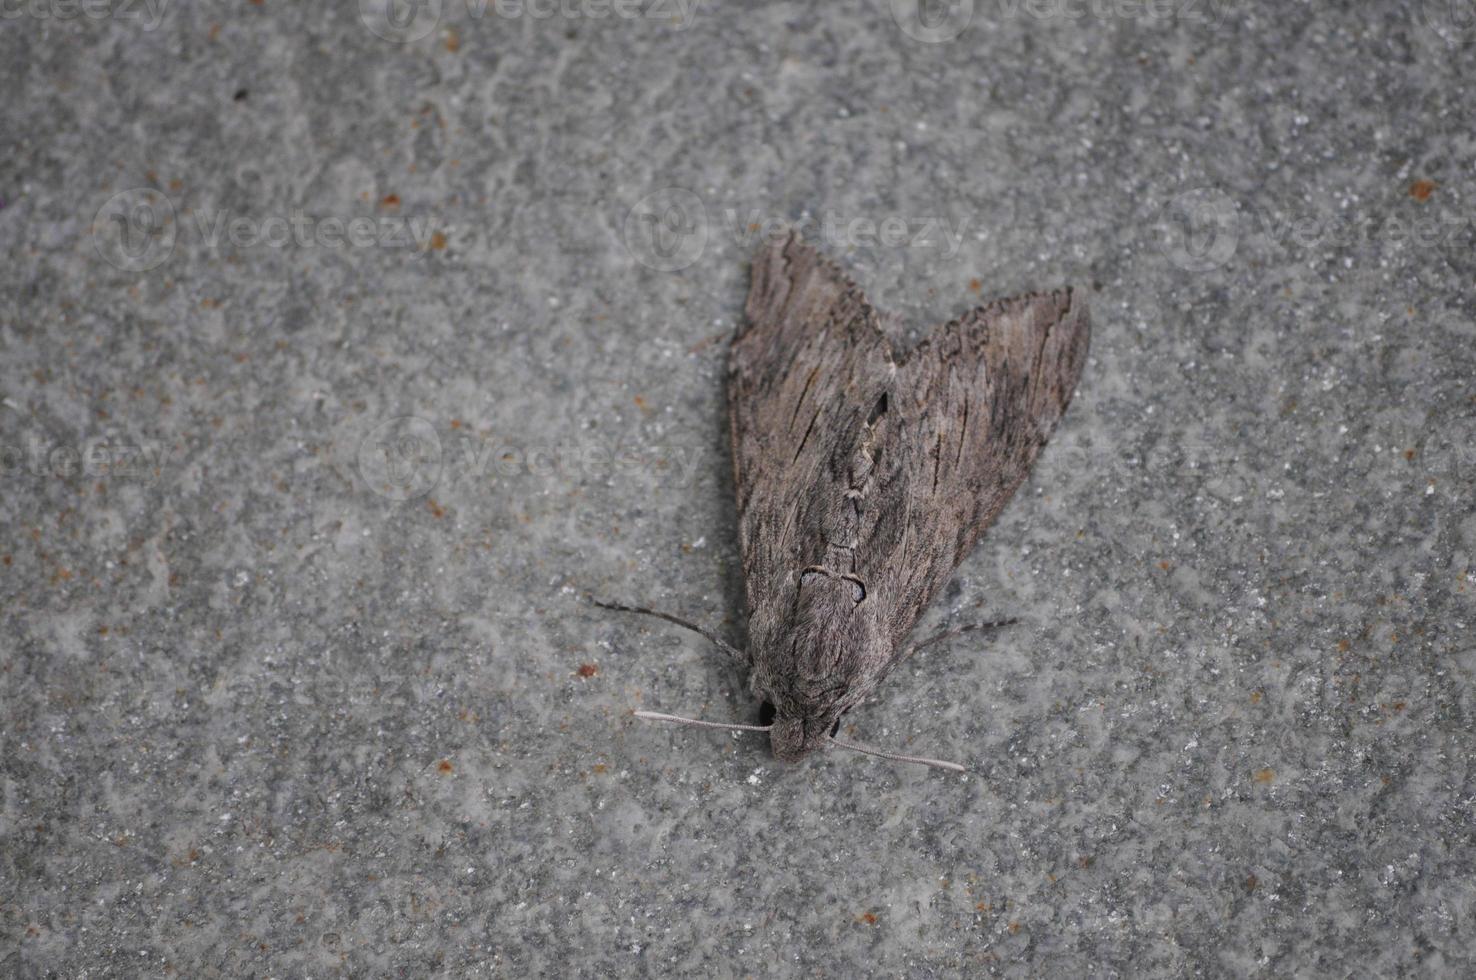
969 411
878 469
804 370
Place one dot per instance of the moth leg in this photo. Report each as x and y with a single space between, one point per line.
950 633
718 641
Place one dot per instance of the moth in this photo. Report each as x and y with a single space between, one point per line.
865 476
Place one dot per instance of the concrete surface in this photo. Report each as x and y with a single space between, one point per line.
341 353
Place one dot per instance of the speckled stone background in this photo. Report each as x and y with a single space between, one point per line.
344 348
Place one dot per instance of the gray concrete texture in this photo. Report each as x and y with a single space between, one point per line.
344 348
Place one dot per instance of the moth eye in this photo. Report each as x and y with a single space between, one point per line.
767 713
858 589
835 729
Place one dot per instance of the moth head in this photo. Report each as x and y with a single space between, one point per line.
796 732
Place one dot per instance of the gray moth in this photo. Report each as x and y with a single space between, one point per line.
864 476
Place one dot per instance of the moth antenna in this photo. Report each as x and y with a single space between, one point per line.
708 634
895 757
677 720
